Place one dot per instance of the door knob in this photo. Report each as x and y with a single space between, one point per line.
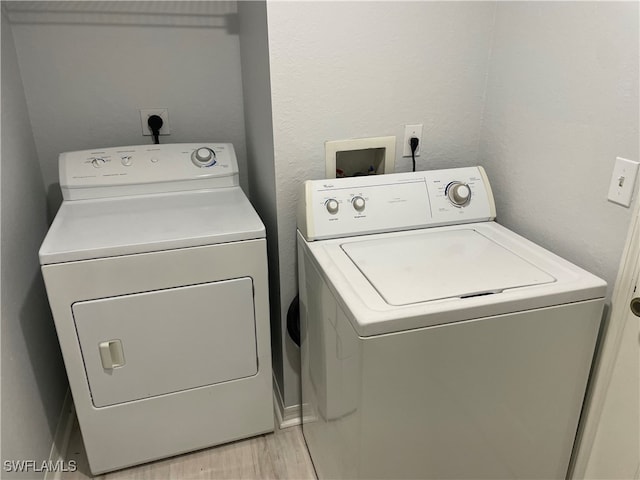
635 306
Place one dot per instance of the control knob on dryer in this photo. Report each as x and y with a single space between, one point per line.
203 157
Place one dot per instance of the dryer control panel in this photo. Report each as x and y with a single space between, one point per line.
345 207
145 169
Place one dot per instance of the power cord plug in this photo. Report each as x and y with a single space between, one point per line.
413 143
155 124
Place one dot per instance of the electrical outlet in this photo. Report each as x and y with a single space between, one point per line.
623 180
411 131
163 113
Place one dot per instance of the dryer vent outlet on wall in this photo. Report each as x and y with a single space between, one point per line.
360 156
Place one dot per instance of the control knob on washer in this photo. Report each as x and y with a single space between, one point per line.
98 162
203 157
332 206
458 193
358 203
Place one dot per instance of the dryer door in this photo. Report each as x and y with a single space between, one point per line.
154 343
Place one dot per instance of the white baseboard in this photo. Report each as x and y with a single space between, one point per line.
285 416
61 439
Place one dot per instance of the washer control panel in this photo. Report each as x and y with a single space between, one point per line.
382 203
146 169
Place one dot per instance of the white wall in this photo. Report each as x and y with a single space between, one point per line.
358 69
88 67
33 377
256 89
562 103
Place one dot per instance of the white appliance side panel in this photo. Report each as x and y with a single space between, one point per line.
171 340
331 377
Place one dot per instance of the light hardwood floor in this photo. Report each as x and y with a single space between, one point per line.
279 455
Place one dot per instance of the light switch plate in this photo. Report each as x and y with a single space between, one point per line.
623 181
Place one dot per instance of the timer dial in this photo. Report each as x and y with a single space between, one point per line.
458 193
203 157
332 206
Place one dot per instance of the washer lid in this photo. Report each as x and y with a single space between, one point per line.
442 265
438 265
86 229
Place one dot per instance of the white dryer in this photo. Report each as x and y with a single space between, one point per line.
435 342
156 272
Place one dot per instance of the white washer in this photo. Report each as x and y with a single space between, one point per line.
156 272
435 342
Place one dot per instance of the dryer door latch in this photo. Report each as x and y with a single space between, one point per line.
111 354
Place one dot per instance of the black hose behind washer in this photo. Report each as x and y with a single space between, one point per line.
293 320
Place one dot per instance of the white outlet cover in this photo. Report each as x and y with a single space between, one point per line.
411 131
623 180
163 113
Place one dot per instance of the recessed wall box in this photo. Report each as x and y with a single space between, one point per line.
360 156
